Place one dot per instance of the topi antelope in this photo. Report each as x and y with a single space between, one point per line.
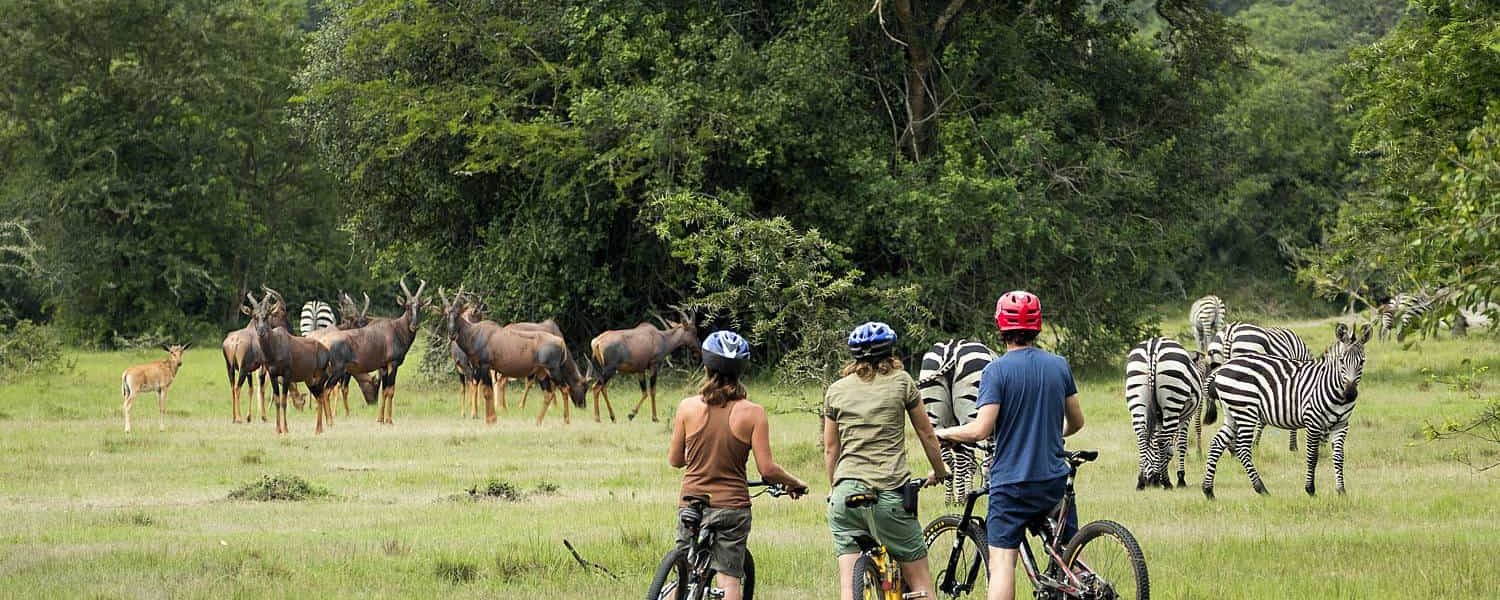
289 359
514 353
641 350
380 346
153 376
351 317
242 357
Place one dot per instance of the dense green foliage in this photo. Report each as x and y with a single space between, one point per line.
1429 118
145 143
787 167
528 148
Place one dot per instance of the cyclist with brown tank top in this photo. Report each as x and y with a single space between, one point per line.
713 435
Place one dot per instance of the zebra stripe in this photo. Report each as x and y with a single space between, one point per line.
1238 339
1163 388
1400 311
1317 395
316 315
949 386
1207 317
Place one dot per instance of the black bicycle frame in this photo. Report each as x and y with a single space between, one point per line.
1048 533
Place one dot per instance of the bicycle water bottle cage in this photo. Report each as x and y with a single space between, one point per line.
861 499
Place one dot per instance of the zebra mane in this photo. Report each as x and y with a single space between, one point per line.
949 361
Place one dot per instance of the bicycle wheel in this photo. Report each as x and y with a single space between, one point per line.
670 582
867 579
1106 557
940 536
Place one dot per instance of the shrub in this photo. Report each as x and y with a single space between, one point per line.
270 488
498 489
28 348
455 571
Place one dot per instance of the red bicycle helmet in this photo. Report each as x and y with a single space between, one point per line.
1018 310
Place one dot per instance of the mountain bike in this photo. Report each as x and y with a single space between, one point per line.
1101 562
877 576
684 573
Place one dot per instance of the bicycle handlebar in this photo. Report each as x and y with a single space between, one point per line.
776 490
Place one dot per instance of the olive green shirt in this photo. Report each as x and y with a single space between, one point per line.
871 417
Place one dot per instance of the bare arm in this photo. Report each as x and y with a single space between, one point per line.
760 443
832 447
977 430
1072 416
676 449
919 421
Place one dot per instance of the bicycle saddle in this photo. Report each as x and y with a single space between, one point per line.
861 499
1082 456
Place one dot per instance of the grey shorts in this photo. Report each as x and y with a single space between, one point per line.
732 530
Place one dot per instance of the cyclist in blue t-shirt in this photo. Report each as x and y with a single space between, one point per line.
1025 396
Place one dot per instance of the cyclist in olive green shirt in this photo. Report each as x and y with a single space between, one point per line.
864 446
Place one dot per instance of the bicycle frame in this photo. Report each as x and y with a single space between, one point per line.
1048 533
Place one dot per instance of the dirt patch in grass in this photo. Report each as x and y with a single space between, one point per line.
253 457
277 488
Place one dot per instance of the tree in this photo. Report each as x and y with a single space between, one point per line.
1428 122
148 144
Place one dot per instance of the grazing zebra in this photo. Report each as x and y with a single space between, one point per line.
1245 338
316 315
1400 311
1317 395
949 386
1207 318
1163 388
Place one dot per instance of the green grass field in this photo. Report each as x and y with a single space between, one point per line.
91 512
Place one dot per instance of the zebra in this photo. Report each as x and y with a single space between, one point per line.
1163 388
1239 338
1207 318
1399 311
316 315
949 385
1317 395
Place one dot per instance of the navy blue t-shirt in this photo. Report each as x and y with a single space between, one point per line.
1030 385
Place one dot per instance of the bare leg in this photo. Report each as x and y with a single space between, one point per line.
918 577
1003 573
846 575
733 590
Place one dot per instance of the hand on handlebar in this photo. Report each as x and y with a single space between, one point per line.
935 478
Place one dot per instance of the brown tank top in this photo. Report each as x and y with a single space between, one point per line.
716 462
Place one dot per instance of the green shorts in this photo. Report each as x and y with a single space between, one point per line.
732 530
891 524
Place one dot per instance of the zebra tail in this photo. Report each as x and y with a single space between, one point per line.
1211 412
1153 404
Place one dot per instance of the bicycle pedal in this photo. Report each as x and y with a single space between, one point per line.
715 593
913 595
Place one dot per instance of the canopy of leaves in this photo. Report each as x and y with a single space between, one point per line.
570 158
1430 119
146 144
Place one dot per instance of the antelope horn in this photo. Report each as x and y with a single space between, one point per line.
404 288
442 295
366 310
658 318
421 285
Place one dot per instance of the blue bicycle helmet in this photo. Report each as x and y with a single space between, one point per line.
725 352
872 340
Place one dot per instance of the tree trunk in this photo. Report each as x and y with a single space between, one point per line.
923 42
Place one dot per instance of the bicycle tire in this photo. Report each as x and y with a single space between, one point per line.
1137 569
673 566
940 527
867 579
748 583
